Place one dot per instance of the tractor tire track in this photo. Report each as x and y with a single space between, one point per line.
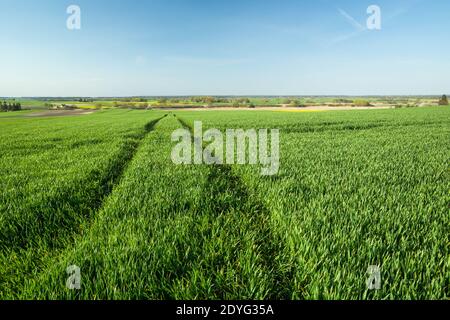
226 195
74 207
18 245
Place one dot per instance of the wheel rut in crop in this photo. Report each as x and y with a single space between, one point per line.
119 165
70 206
61 217
248 223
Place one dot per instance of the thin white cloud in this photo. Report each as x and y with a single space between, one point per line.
346 37
402 10
359 28
355 24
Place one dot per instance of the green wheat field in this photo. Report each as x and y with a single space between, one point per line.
355 188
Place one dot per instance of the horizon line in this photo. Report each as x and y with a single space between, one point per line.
229 95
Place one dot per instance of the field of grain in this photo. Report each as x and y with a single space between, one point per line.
355 188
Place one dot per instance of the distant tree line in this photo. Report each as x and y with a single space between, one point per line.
207 100
342 100
131 105
362 103
132 99
10 106
443 101
210 100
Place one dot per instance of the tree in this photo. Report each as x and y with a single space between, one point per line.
138 100
4 106
244 100
296 103
162 101
362 103
209 100
443 101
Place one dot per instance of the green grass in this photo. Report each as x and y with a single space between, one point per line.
55 174
355 188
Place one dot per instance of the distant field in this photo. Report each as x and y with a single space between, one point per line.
107 103
355 188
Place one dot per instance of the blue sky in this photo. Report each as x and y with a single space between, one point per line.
224 47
